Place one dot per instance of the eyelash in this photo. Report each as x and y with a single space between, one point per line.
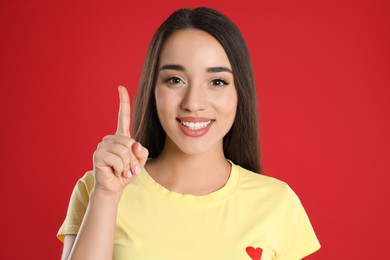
177 80
224 82
171 80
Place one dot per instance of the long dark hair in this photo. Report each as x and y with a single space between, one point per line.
241 143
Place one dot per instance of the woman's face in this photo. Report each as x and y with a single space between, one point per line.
195 94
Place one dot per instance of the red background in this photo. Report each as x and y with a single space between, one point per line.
322 71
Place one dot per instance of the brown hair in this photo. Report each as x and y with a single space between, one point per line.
241 143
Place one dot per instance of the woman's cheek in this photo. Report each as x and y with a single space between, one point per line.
166 102
228 104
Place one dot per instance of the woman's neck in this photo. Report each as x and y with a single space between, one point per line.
197 174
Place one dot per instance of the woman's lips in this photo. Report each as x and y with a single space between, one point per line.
195 126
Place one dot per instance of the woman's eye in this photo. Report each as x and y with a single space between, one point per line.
173 80
219 82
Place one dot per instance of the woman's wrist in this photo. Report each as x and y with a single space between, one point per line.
101 196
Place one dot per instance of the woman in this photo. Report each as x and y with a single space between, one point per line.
200 195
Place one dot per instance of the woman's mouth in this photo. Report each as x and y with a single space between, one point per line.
195 126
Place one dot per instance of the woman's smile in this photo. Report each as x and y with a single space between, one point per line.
195 126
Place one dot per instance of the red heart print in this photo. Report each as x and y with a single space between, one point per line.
254 253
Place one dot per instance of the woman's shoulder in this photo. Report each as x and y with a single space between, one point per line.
271 189
255 179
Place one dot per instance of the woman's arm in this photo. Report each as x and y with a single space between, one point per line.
68 244
117 159
95 239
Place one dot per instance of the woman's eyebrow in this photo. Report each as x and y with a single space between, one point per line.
219 69
172 67
181 68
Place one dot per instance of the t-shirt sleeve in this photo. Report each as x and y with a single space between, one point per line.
77 206
299 239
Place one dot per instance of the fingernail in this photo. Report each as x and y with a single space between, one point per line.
128 174
139 149
137 170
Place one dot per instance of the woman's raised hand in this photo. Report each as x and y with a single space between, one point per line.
118 158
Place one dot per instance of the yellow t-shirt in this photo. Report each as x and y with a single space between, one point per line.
252 217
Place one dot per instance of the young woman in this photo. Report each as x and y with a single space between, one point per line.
188 184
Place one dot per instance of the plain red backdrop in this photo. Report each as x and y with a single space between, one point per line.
322 72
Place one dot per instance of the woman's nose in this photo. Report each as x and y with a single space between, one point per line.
194 99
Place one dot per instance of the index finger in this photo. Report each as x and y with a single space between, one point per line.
124 112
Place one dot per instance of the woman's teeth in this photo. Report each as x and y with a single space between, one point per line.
195 125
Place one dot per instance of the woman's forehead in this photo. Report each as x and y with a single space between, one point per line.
189 47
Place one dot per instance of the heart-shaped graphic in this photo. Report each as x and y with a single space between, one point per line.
254 253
